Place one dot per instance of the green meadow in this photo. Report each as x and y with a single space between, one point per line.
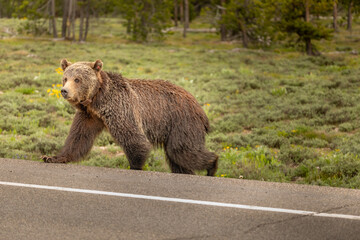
276 114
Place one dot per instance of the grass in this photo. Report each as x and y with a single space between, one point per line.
276 114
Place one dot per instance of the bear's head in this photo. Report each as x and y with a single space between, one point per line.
81 81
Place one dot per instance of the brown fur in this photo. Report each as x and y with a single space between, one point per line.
138 114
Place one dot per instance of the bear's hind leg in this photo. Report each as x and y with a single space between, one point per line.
212 170
186 161
175 168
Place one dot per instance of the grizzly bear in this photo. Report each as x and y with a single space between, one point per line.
138 114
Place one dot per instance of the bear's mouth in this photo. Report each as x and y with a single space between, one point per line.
76 101
85 102
82 100
70 100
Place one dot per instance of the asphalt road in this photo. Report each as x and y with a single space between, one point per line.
93 203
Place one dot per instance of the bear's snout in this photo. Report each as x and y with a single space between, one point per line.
64 93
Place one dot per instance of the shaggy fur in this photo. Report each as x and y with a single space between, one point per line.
138 114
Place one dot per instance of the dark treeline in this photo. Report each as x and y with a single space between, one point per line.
254 22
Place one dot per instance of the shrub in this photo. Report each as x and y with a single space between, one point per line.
250 163
346 127
333 169
294 154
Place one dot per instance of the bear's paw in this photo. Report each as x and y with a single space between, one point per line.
54 159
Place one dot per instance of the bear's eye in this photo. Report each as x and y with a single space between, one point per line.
77 80
65 79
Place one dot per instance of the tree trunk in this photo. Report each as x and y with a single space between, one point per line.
307 10
65 18
145 25
245 38
309 50
182 11
143 28
349 16
222 26
335 13
49 13
81 27
186 15
69 17
176 13
87 19
53 19
10 11
308 45
73 19
128 26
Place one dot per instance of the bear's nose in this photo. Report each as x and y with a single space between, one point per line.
64 93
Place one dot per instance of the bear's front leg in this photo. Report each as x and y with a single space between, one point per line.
80 140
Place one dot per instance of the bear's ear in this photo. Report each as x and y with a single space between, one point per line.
98 65
64 64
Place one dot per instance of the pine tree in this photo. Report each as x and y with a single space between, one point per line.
296 18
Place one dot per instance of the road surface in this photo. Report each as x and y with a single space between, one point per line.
57 201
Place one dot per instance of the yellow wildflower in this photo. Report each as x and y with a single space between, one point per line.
59 71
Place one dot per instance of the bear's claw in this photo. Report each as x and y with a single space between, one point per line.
54 159
47 159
